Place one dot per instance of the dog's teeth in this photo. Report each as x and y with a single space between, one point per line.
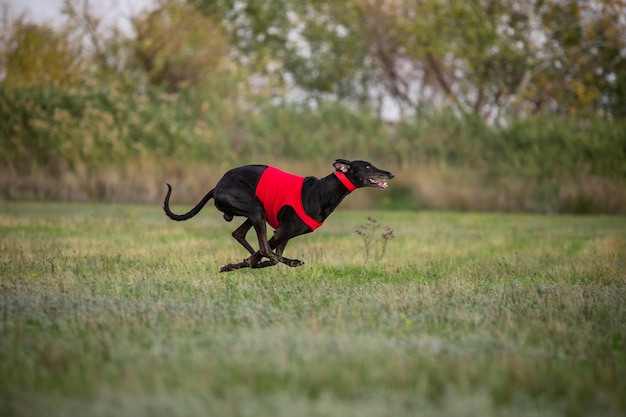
382 183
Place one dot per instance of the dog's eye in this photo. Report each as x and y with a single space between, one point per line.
368 167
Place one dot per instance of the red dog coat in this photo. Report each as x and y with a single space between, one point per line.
277 189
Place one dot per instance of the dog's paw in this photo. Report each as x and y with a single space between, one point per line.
230 267
295 262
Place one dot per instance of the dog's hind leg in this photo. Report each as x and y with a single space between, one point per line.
240 235
265 250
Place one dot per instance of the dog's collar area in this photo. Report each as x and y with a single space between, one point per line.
345 181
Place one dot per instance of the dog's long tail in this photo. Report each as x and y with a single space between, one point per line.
190 213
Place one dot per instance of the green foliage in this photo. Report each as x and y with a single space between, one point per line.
545 146
95 128
98 126
478 57
49 126
277 81
323 133
588 72
176 45
534 148
38 54
475 57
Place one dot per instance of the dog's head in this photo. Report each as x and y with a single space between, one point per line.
363 173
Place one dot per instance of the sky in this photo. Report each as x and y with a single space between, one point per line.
38 10
49 11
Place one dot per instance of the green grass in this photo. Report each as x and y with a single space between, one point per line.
113 310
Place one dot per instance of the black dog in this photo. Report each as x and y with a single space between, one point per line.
291 204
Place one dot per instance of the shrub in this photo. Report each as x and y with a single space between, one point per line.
538 164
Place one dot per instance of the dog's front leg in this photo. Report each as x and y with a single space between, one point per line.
280 243
255 261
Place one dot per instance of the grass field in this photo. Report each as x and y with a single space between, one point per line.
113 310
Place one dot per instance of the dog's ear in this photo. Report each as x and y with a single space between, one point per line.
342 165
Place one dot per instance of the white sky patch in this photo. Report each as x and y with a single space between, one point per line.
112 12
38 11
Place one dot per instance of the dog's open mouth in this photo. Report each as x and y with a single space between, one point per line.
377 182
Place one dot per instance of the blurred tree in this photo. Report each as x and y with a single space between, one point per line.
327 53
483 57
103 47
586 47
177 45
478 57
314 47
480 53
35 54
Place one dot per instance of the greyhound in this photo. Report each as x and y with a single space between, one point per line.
293 205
